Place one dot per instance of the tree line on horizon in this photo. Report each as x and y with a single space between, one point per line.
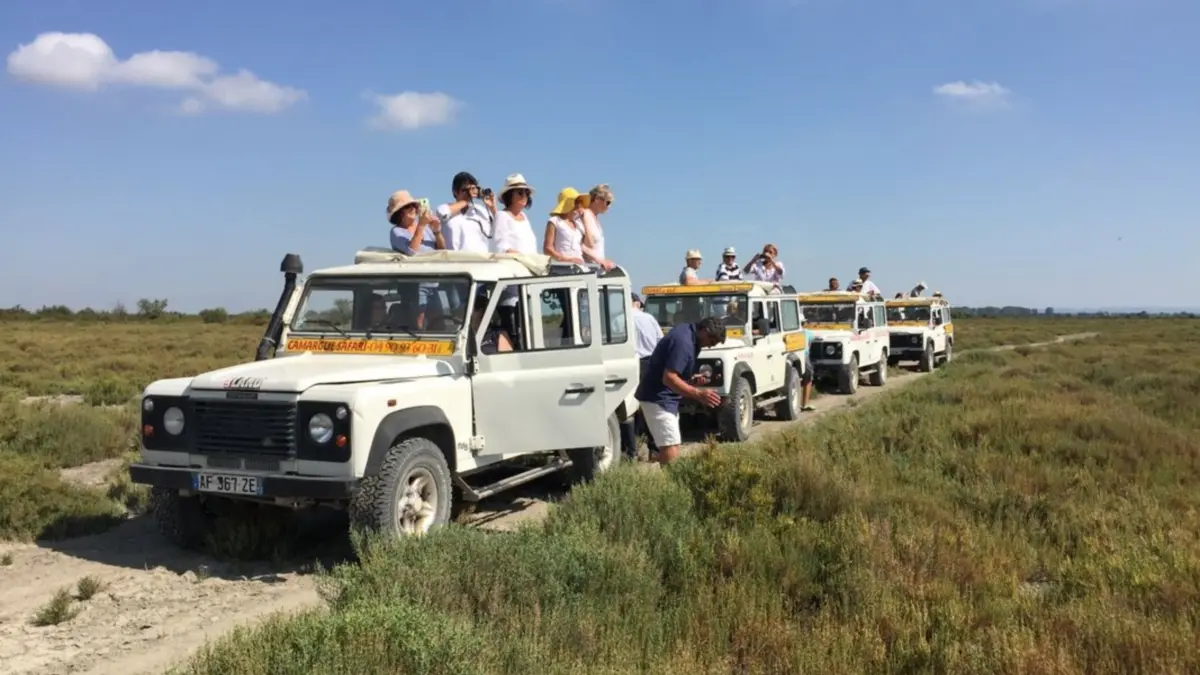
156 309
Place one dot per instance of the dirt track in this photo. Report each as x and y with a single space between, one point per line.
160 604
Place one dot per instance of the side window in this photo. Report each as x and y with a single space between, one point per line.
791 315
585 319
612 313
555 310
946 310
866 318
773 315
880 316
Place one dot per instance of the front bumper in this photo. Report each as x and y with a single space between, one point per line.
287 487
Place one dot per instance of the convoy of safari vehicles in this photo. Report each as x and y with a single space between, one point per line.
377 387
753 370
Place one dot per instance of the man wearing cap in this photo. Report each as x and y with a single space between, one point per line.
865 283
692 263
466 222
729 269
670 376
917 290
647 334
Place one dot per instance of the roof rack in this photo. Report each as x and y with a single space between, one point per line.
536 264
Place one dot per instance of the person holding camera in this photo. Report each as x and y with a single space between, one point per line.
414 228
766 266
468 223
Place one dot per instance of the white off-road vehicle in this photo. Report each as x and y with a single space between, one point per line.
761 363
849 338
921 330
386 392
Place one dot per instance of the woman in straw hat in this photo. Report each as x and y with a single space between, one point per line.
414 229
564 231
514 233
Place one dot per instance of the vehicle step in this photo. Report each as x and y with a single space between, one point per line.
471 494
770 400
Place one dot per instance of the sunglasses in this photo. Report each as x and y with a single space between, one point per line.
520 192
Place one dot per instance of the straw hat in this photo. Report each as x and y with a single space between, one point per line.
693 254
515 181
399 200
567 200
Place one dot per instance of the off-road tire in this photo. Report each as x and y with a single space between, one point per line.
948 355
733 424
587 463
848 377
927 361
376 504
789 408
184 521
878 377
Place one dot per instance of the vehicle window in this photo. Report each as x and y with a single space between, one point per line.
672 310
917 313
612 313
773 315
558 309
947 312
382 305
585 317
791 315
865 318
880 316
829 313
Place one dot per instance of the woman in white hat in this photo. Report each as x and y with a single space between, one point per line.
514 233
564 231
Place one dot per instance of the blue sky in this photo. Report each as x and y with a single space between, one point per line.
1032 152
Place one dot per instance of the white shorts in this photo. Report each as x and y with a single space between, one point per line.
663 424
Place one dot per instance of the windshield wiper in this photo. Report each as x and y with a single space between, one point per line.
392 329
326 322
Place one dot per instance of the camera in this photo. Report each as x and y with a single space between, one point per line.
485 192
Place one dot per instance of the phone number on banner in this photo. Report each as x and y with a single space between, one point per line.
392 347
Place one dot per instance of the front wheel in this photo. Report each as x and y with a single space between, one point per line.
736 416
949 351
184 521
789 408
848 377
410 495
927 359
879 377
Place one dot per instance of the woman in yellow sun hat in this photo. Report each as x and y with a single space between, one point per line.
564 231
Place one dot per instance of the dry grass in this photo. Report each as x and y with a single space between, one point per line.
1033 511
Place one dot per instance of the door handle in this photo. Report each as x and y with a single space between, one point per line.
579 390
617 380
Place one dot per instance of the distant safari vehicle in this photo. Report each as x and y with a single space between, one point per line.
921 330
850 338
752 370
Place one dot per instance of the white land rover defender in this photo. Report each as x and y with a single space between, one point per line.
756 368
387 394
921 330
849 338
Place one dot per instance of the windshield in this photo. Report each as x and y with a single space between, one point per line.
917 313
829 313
381 304
672 310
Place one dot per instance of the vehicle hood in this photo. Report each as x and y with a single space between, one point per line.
831 335
302 371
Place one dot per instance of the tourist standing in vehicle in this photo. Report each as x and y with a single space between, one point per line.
765 266
729 270
600 198
692 262
411 223
865 283
646 334
917 290
564 231
466 222
834 285
514 234
670 376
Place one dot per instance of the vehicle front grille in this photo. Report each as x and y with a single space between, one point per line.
245 427
905 341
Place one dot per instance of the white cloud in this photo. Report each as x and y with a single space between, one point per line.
973 92
85 62
412 110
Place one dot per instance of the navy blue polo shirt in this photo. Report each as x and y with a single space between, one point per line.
677 351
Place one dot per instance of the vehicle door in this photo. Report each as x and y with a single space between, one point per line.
548 393
938 318
768 355
879 334
621 369
795 341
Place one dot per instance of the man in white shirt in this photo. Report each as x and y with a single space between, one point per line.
692 261
647 333
868 286
466 223
729 269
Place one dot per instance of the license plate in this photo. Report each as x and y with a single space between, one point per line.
227 484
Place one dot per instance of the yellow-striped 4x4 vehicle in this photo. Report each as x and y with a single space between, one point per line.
753 369
921 330
850 338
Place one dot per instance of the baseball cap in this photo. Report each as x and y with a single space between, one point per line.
635 297
864 270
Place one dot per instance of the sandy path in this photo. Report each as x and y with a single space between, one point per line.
160 604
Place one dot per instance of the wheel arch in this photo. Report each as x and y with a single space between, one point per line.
425 421
743 369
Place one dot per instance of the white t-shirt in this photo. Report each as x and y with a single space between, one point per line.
470 230
514 235
568 237
762 273
869 286
592 225
687 273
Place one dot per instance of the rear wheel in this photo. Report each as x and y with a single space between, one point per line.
736 416
848 377
789 408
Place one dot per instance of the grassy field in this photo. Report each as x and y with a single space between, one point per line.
1032 511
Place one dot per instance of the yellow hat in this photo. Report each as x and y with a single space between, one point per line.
567 200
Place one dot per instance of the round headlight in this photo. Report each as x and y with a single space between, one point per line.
341 412
830 349
320 428
148 405
173 421
706 370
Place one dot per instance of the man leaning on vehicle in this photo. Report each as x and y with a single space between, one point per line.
670 375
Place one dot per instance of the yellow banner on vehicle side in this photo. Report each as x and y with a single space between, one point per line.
949 329
386 347
795 342
828 326
702 288
738 333
909 324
